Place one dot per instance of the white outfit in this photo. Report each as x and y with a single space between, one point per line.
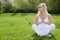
43 29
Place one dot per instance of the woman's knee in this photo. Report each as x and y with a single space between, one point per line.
52 26
34 25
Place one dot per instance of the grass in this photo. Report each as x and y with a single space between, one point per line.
18 27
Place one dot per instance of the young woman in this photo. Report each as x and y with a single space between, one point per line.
43 23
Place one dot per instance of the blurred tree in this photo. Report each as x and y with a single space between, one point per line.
0 7
53 6
6 6
34 4
29 5
43 1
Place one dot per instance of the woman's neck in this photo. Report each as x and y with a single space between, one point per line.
43 15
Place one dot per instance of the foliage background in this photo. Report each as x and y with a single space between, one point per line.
17 6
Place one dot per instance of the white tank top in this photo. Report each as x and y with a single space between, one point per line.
45 20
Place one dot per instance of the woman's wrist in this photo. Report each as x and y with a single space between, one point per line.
44 23
47 23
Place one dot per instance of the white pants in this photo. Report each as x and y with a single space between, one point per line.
43 29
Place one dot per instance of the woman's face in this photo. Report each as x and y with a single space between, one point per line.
41 8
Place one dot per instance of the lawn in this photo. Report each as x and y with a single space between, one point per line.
18 27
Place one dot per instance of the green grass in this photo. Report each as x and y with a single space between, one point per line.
18 27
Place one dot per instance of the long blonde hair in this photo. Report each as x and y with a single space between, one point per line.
45 8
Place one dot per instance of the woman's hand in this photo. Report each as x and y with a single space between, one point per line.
46 23
41 21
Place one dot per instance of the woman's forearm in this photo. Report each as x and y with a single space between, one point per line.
47 23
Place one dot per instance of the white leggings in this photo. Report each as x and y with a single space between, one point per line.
39 31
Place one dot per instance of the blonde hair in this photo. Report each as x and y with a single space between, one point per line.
45 8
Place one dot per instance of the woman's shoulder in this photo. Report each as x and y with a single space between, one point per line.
36 17
49 15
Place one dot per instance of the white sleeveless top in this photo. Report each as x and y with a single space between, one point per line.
45 20
43 24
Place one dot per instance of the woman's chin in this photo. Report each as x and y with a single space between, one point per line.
41 11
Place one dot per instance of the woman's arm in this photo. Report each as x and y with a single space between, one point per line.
50 20
35 20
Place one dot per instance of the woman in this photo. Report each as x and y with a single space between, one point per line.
43 23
